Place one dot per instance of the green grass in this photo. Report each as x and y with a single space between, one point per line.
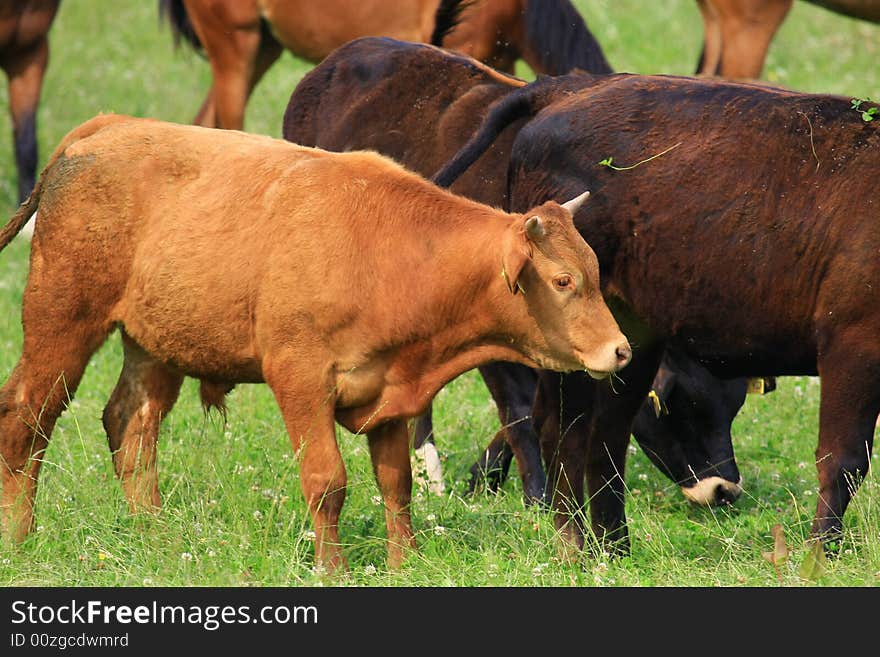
233 513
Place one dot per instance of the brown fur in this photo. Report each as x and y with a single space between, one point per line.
419 104
352 287
737 33
750 244
439 99
24 56
242 40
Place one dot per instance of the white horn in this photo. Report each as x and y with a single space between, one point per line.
575 203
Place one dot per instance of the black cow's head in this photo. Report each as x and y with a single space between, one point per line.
684 428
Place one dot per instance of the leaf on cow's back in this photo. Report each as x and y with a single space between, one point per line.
780 549
813 566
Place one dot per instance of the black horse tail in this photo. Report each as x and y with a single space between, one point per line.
522 103
446 19
558 40
181 27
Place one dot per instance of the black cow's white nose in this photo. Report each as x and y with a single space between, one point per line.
624 354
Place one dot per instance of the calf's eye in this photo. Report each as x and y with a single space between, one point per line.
563 282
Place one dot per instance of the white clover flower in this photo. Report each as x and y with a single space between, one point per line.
186 556
370 569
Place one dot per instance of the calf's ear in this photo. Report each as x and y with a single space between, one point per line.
516 252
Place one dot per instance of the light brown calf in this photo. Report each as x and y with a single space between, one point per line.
354 288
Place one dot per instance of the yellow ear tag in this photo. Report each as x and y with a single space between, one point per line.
755 386
656 400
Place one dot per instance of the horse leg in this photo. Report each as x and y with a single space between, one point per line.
746 32
306 402
231 40
237 65
850 376
144 394
389 451
711 55
25 74
269 52
207 114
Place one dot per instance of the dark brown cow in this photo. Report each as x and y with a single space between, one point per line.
735 221
290 276
24 55
419 104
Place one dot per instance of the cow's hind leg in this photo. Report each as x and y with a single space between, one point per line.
57 348
389 450
143 396
850 375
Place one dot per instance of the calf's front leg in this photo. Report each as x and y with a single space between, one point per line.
389 451
307 402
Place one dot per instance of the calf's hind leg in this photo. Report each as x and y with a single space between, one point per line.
145 393
56 351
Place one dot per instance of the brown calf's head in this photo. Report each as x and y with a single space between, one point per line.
549 263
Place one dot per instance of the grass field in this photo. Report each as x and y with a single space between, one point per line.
233 513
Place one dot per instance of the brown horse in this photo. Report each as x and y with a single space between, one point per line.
243 39
738 32
24 54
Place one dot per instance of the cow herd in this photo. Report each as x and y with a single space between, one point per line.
618 254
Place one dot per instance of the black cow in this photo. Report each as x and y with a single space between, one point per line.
735 221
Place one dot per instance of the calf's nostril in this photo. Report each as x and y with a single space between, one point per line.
624 353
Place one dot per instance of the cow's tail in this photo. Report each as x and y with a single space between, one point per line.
522 103
26 210
558 40
181 27
446 18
